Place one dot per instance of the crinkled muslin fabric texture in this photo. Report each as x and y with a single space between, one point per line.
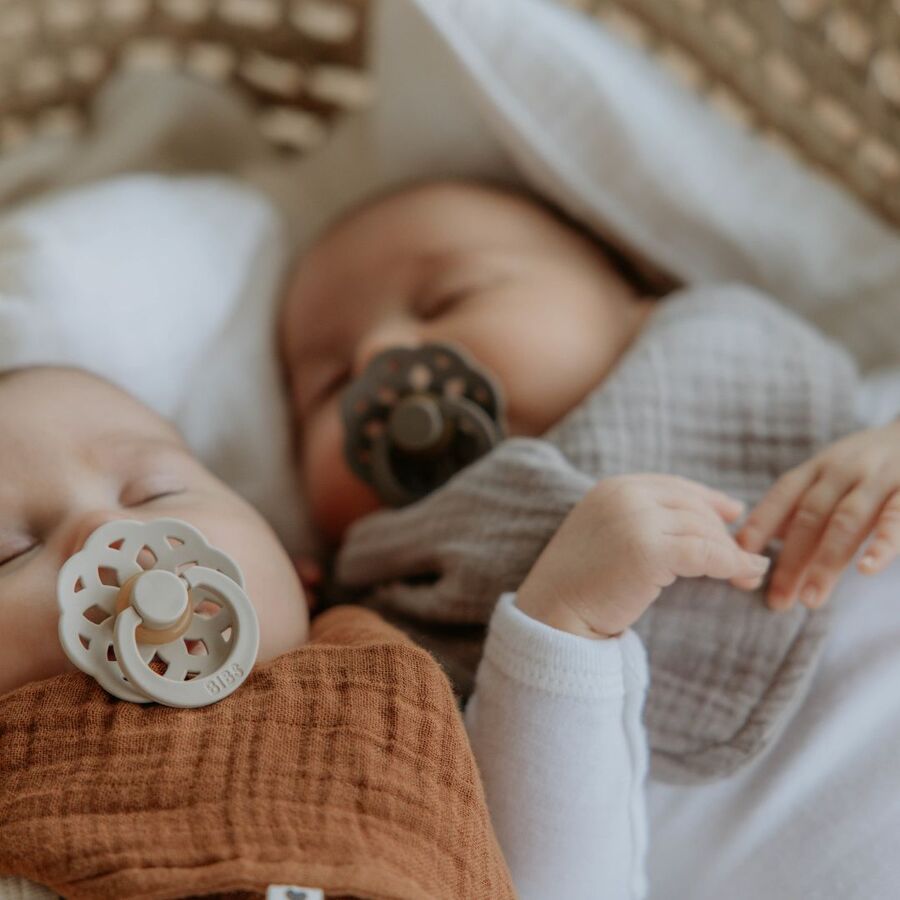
342 765
722 386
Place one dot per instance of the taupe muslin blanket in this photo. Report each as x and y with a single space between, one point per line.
722 386
343 765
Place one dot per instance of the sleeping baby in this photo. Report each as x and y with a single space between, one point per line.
717 384
80 453
303 770
567 525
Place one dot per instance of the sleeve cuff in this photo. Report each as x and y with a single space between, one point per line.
534 654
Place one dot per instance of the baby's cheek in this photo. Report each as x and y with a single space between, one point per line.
337 498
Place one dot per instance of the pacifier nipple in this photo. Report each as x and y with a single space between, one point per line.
160 598
418 426
416 417
180 631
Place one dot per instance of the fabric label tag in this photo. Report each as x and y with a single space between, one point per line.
293 892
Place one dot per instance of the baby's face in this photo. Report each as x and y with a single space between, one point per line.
531 300
75 453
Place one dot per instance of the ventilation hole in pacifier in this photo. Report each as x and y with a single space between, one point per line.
108 576
158 664
196 647
226 633
117 544
85 641
110 653
79 586
147 559
419 377
174 541
181 568
455 388
206 609
373 429
386 395
96 614
190 675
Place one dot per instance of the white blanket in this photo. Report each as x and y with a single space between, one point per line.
167 288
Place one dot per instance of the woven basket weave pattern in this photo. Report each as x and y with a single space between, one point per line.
820 78
300 62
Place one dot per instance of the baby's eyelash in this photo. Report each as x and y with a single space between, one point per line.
149 489
334 381
431 307
159 495
17 550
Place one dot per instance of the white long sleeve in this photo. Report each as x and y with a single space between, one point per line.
555 723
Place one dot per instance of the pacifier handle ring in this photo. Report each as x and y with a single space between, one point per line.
206 689
390 488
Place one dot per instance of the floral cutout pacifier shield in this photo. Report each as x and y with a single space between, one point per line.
155 614
415 417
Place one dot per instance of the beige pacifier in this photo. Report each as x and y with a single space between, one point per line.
155 614
416 417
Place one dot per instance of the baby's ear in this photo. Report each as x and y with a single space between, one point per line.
311 575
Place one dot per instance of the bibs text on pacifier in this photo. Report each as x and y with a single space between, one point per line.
415 417
155 614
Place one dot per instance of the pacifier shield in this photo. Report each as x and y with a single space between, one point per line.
415 417
156 614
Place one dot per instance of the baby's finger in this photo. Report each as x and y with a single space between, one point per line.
715 556
751 583
688 493
885 543
775 507
727 507
846 529
801 537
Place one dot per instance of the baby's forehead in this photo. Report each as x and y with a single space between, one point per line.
75 412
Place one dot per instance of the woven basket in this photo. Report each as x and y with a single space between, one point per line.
299 61
820 78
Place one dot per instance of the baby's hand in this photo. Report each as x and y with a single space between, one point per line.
824 509
630 537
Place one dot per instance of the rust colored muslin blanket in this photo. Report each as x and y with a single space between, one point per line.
343 765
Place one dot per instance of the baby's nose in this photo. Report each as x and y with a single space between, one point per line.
388 335
84 526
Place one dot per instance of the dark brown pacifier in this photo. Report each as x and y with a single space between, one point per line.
415 417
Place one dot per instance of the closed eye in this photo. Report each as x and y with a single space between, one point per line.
332 382
16 549
151 489
160 495
432 307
